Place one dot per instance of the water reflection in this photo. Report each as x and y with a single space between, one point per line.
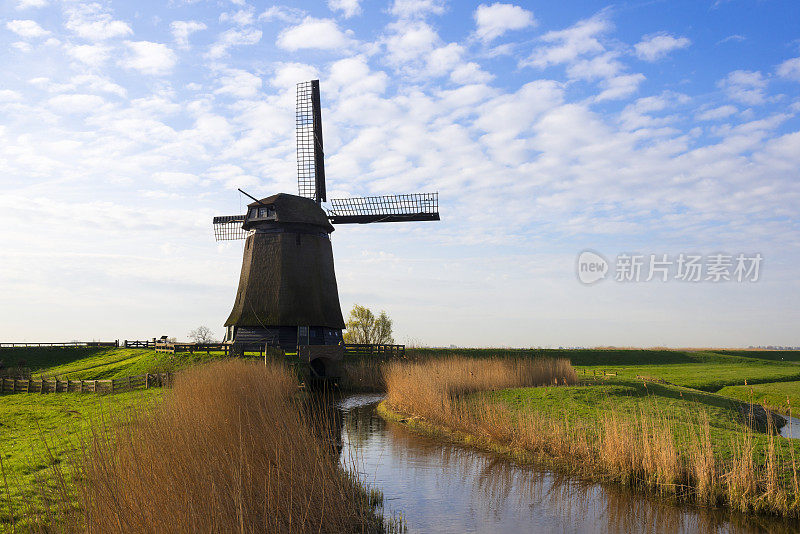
792 427
444 488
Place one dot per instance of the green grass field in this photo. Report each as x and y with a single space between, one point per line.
593 398
39 430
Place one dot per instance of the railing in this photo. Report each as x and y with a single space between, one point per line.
191 347
378 350
54 385
65 345
134 344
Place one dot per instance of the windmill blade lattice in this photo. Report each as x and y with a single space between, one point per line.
388 208
229 227
310 155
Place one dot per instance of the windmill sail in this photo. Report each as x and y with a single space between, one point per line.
229 227
310 156
389 208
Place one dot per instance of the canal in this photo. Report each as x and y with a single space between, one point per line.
444 488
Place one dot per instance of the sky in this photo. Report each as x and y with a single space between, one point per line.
652 130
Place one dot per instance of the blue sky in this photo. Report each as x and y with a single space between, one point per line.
548 128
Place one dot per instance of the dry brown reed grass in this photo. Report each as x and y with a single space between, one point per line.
429 387
646 449
229 450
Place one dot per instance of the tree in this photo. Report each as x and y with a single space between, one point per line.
202 334
363 327
383 329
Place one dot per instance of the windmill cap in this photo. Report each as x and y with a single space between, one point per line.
295 209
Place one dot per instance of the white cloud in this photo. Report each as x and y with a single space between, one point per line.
175 179
239 83
495 20
444 59
567 45
22 46
410 41
743 86
313 33
469 73
352 75
790 69
287 75
7 95
656 46
92 55
182 29
25 4
620 86
282 13
349 8
149 58
98 83
91 22
416 8
732 38
75 103
717 113
243 17
603 66
232 176
26 28
233 37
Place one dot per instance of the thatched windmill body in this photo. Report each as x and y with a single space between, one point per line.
287 296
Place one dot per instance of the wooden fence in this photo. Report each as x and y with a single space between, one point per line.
380 351
54 385
191 347
135 344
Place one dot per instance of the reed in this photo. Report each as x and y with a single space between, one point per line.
645 449
363 374
429 387
231 449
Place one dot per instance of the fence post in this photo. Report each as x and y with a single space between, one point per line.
146 380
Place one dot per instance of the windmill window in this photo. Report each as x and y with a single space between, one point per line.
266 212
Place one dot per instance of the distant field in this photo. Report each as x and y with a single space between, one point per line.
28 420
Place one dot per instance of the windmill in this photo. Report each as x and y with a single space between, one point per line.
287 296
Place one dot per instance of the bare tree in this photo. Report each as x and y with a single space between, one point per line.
364 327
202 334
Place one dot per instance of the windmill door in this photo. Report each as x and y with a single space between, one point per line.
302 335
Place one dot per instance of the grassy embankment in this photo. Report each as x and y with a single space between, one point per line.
673 440
102 363
42 430
778 396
